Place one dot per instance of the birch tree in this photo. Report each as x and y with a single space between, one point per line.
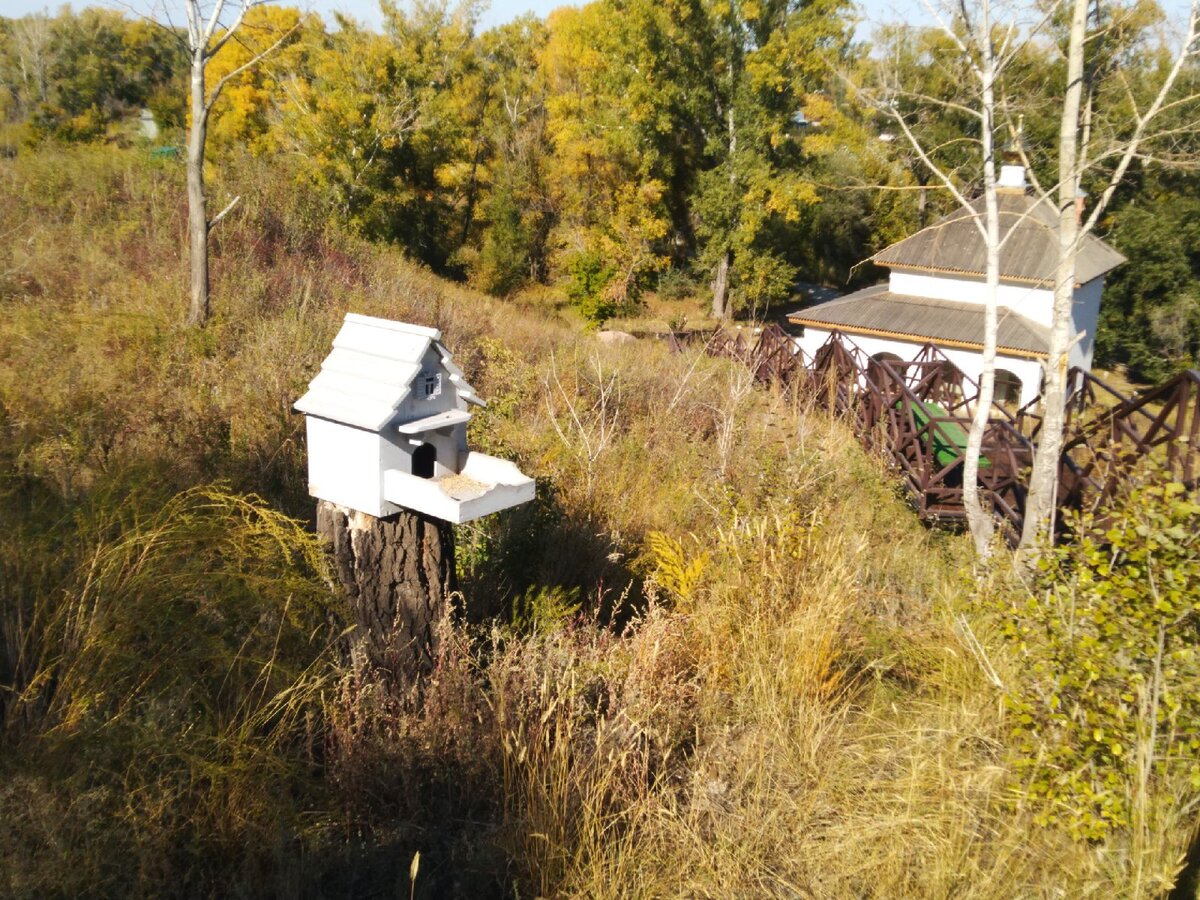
1140 124
1082 150
986 50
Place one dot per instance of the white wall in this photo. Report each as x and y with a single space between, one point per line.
344 466
969 361
1035 304
1085 318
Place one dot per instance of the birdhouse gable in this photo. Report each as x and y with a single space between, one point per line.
382 372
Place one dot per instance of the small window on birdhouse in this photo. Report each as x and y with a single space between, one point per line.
431 385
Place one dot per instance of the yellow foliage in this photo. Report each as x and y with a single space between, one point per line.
673 569
242 115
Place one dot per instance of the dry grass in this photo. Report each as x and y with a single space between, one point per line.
804 714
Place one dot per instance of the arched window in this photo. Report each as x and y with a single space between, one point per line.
897 364
1008 388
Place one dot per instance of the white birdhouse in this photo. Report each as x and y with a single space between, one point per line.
387 428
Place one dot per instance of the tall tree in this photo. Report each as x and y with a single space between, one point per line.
1107 119
206 36
507 211
759 60
372 119
1090 144
984 51
608 102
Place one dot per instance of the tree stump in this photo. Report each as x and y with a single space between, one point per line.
397 573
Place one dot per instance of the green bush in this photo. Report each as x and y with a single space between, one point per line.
589 275
675 284
1108 711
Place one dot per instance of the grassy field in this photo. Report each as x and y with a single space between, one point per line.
717 657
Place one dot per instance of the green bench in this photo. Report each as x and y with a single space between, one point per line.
948 437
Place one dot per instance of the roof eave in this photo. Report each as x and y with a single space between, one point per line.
914 338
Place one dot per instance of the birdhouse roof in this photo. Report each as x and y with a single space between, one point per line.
1029 253
371 370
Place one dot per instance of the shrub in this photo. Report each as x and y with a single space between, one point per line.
1108 711
675 284
590 274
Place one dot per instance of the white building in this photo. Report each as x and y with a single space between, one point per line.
147 126
936 293
387 428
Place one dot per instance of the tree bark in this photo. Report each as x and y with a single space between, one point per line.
1041 500
979 519
198 308
397 573
720 304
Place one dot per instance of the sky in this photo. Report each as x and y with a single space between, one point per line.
500 11
872 12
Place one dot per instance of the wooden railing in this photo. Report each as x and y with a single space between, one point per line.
917 414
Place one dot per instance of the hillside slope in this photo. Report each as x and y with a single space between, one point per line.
718 657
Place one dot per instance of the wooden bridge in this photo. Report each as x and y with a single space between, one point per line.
917 414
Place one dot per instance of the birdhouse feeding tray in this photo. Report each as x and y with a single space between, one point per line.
386 419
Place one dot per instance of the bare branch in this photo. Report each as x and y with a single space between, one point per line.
253 61
211 28
1187 50
223 213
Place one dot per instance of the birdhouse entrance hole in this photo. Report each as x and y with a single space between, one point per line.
423 459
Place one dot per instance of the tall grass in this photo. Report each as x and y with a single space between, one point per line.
163 694
717 656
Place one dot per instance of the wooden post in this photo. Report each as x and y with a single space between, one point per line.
397 573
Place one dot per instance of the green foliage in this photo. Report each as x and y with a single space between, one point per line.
544 608
1150 319
509 245
590 276
1108 707
74 75
675 284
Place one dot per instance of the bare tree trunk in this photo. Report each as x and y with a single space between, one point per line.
1043 483
198 308
979 520
720 303
397 573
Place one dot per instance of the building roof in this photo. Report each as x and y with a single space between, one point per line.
954 244
370 372
877 311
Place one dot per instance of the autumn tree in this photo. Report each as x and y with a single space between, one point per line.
980 51
369 120
72 76
207 35
507 213
758 60
1119 87
1111 120
608 178
250 99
